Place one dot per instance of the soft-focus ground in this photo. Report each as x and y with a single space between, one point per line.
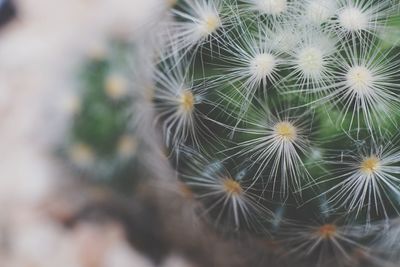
38 50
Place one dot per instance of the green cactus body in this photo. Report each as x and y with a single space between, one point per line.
282 118
103 141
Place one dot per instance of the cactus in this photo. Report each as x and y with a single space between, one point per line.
281 117
105 143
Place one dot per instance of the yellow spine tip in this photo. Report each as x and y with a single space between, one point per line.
186 101
327 231
116 86
370 165
232 187
286 130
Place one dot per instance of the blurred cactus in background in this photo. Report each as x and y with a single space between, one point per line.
107 141
102 143
282 117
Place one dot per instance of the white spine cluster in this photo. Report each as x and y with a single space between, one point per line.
289 77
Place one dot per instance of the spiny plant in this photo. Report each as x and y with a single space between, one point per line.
281 117
105 143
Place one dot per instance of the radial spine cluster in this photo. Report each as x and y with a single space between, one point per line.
282 119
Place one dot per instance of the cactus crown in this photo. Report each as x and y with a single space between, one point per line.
282 119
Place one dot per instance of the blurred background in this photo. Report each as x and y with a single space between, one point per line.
51 211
